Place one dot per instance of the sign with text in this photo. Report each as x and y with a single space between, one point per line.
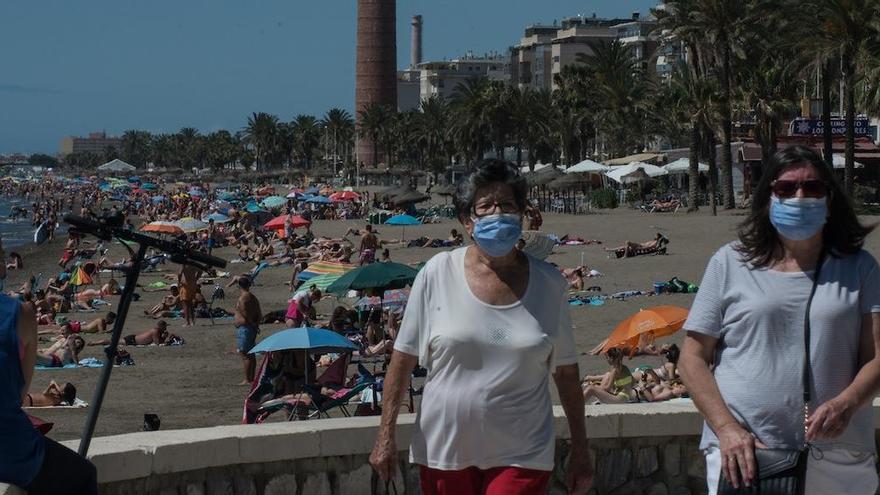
814 127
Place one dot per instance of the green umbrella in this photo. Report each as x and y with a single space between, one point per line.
321 281
374 276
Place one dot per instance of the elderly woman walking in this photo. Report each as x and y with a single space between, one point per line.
782 344
491 326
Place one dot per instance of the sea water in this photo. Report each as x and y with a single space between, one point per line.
15 232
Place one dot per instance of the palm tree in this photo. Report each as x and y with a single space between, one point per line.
136 147
373 121
698 97
306 137
472 125
261 134
433 132
339 127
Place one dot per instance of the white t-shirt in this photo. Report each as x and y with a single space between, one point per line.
486 399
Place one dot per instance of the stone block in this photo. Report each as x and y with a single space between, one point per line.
284 484
357 482
195 489
190 450
315 484
646 462
658 489
278 442
600 425
614 469
695 462
220 486
672 459
349 436
120 463
244 486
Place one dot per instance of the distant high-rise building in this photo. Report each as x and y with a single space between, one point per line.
376 65
544 50
96 142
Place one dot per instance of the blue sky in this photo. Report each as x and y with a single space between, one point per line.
70 67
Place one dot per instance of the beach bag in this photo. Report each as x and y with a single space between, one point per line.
784 471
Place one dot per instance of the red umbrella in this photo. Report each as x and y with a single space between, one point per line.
278 222
344 196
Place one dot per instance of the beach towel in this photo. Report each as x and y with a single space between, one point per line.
77 404
84 363
324 268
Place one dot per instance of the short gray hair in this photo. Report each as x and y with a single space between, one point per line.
488 171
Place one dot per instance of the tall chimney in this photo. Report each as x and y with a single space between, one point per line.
376 65
415 50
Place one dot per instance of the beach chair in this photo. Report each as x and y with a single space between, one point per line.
218 294
321 406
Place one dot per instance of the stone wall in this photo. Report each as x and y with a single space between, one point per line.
638 449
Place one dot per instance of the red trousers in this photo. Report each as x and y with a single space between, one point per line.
493 481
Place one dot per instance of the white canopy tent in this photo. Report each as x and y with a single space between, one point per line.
683 165
538 166
617 173
839 161
588 166
116 165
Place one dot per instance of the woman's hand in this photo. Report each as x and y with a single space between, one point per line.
579 476
737 447
830 419
383 458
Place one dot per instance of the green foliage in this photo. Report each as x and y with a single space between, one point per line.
39 159
603 198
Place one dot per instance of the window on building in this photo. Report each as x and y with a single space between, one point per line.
556 58
441 83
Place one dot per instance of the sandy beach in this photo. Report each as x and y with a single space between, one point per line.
195 385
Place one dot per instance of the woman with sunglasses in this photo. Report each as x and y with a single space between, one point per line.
743 359
491 325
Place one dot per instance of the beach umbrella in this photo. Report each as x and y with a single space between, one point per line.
134 179
319 200
195 192
344 196
294 195
322 281
227 196
253 207
217 218
403 221
636 176
543 177
650 324
374 275
149 186
315 340
278 222
616 173
190 224
409 196
395 298
311 190
587 166
79 277
274 202
162 227
683 166
320 268
157 199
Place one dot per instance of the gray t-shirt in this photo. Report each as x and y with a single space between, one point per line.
757 315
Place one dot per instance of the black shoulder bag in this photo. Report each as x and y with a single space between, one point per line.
783 471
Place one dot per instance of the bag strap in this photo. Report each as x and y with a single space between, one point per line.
807 365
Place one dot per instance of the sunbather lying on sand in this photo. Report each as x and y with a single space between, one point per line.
64 351
158 335
54 395
631 248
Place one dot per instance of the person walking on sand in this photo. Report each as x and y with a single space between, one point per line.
491 325
247 320
368 247
188 278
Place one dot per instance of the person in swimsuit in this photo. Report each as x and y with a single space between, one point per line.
54 395
64 351
158 335
247 323
368 247
188 278
615 386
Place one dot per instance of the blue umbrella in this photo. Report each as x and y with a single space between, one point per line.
319 199
217 218
134 178
403 220
311 190
196 192
227 196
148 186
253 207
158 199
315 340
274 202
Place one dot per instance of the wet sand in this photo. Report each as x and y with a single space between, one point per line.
195 385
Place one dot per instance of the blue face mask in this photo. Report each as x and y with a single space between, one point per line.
497 234
798 219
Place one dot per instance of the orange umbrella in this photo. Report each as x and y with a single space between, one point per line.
277 223
648 323
162 228
344 196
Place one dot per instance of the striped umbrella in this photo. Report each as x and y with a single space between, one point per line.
395 298
79 277
324 268
321 281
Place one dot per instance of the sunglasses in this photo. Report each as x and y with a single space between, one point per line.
788 188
